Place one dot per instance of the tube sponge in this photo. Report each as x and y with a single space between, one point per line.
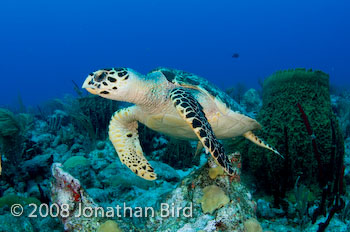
285 93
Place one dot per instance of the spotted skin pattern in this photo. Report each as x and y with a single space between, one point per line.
125 139
109 77
192 112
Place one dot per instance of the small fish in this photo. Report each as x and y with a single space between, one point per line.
235 55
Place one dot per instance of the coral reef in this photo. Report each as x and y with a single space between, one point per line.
229 204
109 226
209 204
341 107
13 142
99 112
11 199
251 101
237 92
252 225
8 123
213 198
216 171
296 117
72 199
75 161
179 154
11 223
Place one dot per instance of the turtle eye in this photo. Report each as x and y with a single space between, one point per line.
100 76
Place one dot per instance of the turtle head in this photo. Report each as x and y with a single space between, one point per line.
115 83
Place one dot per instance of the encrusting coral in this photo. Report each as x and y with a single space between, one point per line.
215 171
109 226
213 198
75 161
252 225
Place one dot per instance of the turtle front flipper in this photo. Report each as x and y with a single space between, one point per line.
125 139
192 112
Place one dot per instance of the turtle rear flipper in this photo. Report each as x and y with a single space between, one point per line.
125 139
192 112
255 139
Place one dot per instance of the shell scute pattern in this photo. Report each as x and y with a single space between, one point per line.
186 79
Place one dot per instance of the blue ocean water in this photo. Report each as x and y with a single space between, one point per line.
60 153
46 44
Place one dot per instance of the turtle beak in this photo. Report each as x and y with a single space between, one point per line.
88 86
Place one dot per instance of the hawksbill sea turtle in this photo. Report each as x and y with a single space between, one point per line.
175 103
